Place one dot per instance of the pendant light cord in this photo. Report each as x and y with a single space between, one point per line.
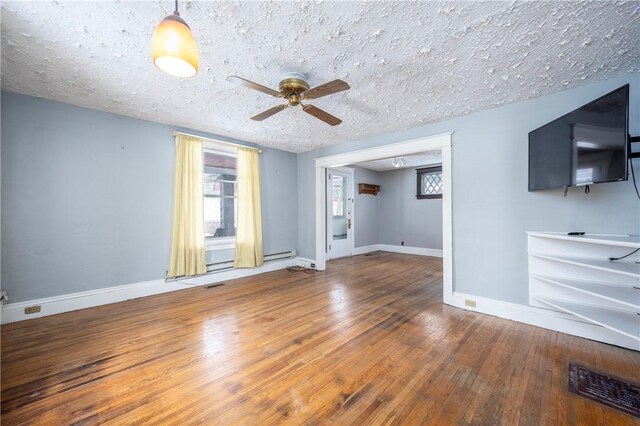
175 12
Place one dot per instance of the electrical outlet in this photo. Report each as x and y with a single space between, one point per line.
313 265
4 298
32 309
470 303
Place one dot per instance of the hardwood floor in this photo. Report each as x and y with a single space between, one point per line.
366 342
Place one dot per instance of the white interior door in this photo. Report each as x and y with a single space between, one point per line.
339 213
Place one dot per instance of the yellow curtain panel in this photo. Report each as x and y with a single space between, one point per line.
249 233
187 247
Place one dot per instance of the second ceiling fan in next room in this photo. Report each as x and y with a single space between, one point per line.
295 89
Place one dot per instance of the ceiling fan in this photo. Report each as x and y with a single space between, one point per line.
295 89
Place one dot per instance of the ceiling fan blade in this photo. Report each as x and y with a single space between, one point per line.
254 86
322 115
329 88
268 113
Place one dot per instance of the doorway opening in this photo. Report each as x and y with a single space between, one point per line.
440 143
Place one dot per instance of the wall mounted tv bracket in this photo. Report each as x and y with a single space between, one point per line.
632 140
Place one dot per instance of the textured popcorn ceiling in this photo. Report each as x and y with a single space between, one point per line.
411 161
408 63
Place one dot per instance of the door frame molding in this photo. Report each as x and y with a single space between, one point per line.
441 142
351 188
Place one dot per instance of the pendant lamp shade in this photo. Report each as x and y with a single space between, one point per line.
173 48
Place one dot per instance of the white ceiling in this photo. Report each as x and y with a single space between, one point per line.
408 63
411 161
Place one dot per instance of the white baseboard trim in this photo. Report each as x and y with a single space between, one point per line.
13 312
397 249
411 250
305 262
366 249
543 318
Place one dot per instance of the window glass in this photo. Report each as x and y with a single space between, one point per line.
339 200
220 194
338 195
429 182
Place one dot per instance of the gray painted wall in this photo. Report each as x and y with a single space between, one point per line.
492 208
367 208
405 218
86 195
395 215
86 198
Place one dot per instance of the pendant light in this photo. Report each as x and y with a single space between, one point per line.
173 48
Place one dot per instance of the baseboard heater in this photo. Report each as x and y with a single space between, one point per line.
228 264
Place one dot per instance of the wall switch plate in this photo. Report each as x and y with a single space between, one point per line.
32 309
470 303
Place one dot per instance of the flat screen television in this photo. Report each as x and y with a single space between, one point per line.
586 146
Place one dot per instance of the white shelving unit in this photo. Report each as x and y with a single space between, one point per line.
573 275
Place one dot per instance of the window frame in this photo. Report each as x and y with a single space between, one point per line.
422 171
219 148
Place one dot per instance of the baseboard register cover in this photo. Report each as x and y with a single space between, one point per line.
615 393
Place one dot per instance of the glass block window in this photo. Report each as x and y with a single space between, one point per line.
429 182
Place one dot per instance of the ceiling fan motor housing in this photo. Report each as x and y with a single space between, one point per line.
292 85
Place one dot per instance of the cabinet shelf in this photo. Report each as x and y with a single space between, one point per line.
368 188
626 323
573 275
631 269
629 241
629 297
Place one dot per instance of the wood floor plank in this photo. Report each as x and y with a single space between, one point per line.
366 342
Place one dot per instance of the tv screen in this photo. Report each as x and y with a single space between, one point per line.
585 146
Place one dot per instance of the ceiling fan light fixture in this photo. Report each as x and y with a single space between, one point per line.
173 48
398 162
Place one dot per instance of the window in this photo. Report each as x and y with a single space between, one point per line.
429 183
220 196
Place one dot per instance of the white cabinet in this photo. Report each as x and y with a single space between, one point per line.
573 274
